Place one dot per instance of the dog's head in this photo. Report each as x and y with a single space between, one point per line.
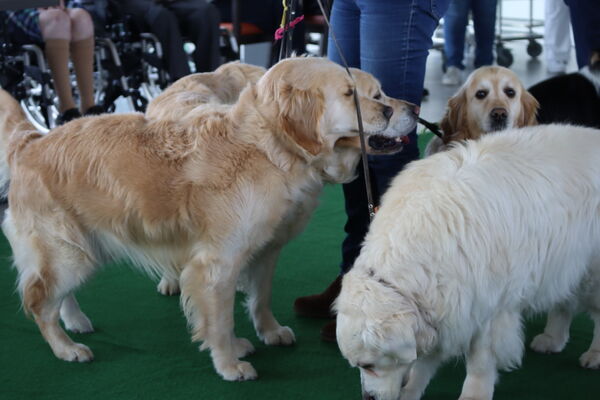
311 101
233 77
491 99
378 332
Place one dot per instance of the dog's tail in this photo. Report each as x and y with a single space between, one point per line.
15 132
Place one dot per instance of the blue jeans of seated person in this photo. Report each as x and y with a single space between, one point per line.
484 23
391 40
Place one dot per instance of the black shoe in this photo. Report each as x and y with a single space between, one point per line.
67 116
94 110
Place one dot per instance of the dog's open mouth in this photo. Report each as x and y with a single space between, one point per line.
385 144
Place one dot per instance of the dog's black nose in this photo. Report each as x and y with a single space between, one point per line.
368 396
499 114
416 110
387 112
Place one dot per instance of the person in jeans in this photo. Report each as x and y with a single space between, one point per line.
391 40
585 20
456 20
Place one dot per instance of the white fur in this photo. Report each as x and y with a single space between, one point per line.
464 243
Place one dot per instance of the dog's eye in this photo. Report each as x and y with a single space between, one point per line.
377 96
349 92
510 92
366 366
480 94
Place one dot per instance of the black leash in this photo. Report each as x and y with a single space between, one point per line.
432 127
361 133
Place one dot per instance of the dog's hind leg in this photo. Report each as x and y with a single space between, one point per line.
258 285
591 358
556 333
72 316
49 270
207 297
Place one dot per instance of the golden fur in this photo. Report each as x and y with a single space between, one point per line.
223 86
205 199
469 117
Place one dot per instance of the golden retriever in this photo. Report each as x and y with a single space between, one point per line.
462 246
490 100
223 86
402 122
193 199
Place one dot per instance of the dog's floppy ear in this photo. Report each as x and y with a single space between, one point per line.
455 118
529 109
300 111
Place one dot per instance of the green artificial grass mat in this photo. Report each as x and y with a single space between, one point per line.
142 347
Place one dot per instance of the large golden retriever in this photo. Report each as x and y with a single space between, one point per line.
190 95
193 199
490 100
466 242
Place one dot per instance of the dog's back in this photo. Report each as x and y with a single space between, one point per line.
515 212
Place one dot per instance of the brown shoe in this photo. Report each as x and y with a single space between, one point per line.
319 305
328 332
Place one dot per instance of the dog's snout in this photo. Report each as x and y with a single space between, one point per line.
499 114
416 110
387 112
368 396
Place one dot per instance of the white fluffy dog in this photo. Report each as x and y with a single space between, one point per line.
465 242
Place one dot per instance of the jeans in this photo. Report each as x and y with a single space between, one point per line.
391 40
585 20
484 24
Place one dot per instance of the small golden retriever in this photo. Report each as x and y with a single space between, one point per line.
205 199
490 100
223 86
465 243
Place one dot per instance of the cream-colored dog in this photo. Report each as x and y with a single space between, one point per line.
465 242
194 199
490 100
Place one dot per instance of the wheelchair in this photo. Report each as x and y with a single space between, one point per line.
24 74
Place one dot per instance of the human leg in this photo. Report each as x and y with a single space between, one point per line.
557 35
455 24
55 26
484 23
163 23
199 21
82 55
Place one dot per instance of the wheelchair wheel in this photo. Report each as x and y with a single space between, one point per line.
534 49
39 105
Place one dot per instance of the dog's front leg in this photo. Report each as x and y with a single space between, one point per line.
259 280
419 376
481 367
207 298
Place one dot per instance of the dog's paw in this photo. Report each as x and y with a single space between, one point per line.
75 352
282 336
168 287
242 347
238 371
544 343
590 359
78 324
